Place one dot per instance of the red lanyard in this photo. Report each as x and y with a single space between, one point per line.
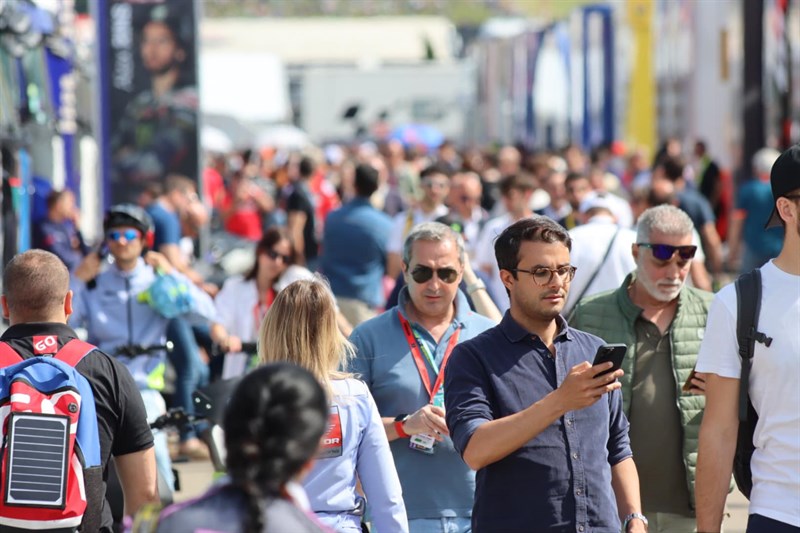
419 360
258 314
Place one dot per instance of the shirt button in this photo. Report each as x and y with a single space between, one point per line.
569 421
580 528
575 455
579 492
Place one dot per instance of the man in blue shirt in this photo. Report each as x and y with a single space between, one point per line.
58 232
402 355
354 256
530 413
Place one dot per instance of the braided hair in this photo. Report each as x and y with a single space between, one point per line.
273 426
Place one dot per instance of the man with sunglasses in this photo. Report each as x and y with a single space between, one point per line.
402 355
773 385
543 427
107 302
661 321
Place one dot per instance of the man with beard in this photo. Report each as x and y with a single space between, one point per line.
661 321
528 411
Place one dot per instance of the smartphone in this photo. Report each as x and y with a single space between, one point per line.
610 352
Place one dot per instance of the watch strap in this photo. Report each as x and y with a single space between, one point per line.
633 516
398 426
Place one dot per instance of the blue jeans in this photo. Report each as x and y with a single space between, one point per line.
190 371
761 524
460 524
155 406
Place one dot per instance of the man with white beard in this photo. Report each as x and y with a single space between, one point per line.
662 323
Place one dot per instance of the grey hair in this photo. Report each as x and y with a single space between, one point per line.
436 232
666 219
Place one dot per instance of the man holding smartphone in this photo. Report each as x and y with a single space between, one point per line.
528 411
661 321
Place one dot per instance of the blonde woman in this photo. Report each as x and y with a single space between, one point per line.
300 327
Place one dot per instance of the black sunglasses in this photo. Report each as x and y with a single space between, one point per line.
421 274
664 252
275 255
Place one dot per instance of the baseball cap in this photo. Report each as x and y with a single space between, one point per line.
784 178
594 200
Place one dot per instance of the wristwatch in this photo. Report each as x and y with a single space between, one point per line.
478 285
398 426
634 516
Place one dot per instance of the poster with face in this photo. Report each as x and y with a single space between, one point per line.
149 102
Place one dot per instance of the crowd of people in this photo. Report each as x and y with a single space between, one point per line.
377 267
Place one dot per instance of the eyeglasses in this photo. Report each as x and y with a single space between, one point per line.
664 252
469 199
544 276
272 254
422 274
129 234
435 184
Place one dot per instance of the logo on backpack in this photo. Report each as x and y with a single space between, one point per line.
50 436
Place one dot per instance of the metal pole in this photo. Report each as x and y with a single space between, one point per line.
753 111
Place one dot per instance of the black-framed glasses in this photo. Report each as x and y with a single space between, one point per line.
130 234
422 274
664 252
544 276
272 254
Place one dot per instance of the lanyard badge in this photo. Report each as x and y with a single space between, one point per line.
424 442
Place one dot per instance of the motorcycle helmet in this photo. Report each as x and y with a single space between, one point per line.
133 216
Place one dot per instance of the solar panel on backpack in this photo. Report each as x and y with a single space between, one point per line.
37 473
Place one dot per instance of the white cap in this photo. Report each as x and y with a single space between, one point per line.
594 200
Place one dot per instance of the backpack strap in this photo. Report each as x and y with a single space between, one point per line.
748 309
73 352
8 355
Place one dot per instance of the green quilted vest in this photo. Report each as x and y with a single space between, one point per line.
611 315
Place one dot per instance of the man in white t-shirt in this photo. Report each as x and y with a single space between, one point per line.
599 246
435 182
774 383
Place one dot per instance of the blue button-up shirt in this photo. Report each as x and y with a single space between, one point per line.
561 479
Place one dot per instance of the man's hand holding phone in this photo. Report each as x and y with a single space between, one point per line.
585 384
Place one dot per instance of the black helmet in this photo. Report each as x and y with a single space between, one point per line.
130 215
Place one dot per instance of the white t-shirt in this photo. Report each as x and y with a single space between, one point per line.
774 387
589 245
401 225
485 259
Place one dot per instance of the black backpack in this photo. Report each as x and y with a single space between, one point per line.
748 308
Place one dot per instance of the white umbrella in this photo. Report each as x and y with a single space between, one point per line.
283 136
215 140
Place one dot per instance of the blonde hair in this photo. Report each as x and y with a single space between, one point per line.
300 327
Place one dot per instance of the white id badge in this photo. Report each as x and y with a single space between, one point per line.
422 442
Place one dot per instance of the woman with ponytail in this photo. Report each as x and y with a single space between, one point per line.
273 426
300 328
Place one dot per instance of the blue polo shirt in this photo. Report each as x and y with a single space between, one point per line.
354 251
437 485
560 480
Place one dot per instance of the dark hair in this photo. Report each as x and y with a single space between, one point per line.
366 180
537 228
519 182
55 196
306 167
271 237
273 426
575 176
434 169
673 168
35 284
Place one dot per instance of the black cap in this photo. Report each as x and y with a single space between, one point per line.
784 178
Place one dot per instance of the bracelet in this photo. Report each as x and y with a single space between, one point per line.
474 287
398 426
634 516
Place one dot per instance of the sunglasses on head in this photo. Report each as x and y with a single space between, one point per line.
129 234
664 252
272 254
421 274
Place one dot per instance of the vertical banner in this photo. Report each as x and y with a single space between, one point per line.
641 116
149 97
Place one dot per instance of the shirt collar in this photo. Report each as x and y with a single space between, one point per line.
462 306
516 333
29 329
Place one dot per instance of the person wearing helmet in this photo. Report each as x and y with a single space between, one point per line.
114 305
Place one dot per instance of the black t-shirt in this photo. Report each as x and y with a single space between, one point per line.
300 200
121 419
